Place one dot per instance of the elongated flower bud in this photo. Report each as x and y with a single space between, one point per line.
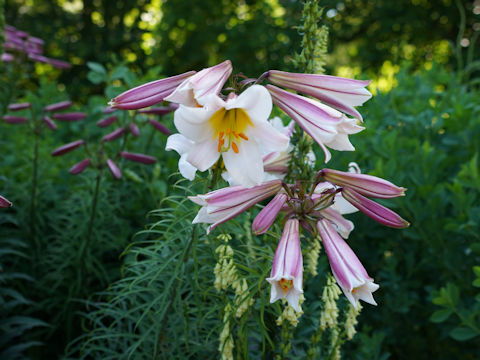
287 269
18 107
67 147
74 116
116 173
50 123
109 110
107 121
266 217
59 64
141 158
4 203
160 110
224 204
341 93
58 106
366 185
6 57
79 167
374 210
134 129
349 272
114 135
38 58
327 126
148 94
160 127
11 119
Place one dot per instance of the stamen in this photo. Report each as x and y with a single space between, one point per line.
235 148
228 131
243 136
220 135
285 285
235 134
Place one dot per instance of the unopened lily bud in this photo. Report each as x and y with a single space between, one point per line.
74 116
4 203
114 135
50 123
160 127
10 119
141 158
134 129
116 173
79 167
67 147
107 121
266 217
38 58
366 185
160 110
59 64
18 107
148 94
6 57
109 110
374 210
58 106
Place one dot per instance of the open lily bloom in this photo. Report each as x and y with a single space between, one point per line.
224 204
286 277
232 129
346 268
194 90
327 126
341 93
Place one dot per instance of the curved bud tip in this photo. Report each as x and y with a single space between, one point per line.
4 203
116 173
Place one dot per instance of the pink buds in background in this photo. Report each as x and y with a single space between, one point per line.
79 167
50 123
74 116
116 173
67 148
107 121
4 203
113 135
18 107
160 127
58 106
11 119
140 158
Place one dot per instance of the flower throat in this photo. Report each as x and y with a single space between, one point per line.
229 127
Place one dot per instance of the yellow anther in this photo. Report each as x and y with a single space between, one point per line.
235 148
285 284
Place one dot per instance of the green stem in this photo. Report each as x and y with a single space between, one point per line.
33 193
86 242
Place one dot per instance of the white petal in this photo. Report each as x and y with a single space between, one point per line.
203 155
193 122
343 206
268 136
179 143
246 167
256 101
293 296
186 169
340 142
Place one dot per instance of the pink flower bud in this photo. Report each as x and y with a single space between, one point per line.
160 127
10 119
114 135
374 210
6 57
116 173
107 121
141 158
134 129
109 110
366 185
148 94
4 203
160 110
18 107
74 116
50 123
58 106
79 167
67 147
38 58
266 217
59 64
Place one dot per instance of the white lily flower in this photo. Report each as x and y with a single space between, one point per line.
233 129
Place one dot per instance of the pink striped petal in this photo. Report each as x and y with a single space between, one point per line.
4 203
266 217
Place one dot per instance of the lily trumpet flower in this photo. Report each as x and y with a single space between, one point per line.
233 129
286 277
327 126
194 90
366 185
341 93
224 204
148 94
349 272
